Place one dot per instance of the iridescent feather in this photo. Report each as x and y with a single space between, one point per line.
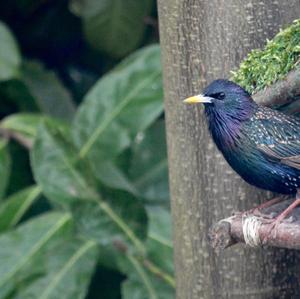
260 144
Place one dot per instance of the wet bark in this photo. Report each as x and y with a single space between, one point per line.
203 40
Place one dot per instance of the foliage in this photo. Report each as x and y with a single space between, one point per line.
263 67
107 25
84 190
9 54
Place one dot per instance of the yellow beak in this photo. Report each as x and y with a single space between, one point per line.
198 99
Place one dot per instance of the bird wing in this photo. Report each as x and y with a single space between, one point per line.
278 136
293 161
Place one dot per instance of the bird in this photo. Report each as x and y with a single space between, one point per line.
261 144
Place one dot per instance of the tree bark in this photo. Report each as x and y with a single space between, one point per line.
203 40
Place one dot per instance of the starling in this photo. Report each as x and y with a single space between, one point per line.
261 144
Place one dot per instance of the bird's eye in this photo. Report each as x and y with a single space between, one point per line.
221 96
218 95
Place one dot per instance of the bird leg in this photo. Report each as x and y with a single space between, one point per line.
282 216
256 211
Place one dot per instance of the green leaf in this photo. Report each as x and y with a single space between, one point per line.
149 276
14 207
145 171
65 180
134 288
10 59
159 243
152 275
148 171
96 221
5 167
19 247
25 125
57 169
22 123
48 91
121 104
110 175
68 270
142 284
115 27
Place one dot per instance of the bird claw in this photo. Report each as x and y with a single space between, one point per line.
258 213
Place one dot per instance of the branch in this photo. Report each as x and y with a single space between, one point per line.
255 230
281 92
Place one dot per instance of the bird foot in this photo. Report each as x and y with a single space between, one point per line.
271 233
257 210
259 213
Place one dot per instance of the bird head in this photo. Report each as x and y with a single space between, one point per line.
226 100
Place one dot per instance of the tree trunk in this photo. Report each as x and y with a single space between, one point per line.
203 40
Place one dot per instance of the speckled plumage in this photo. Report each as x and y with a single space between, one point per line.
261 144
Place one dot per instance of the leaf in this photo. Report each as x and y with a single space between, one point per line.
26 124
5 166
99 222
48 91
19 247
57 169
151 276
159 243
141 284
66 181
110 175
14 207
115 27
68 270
145 171
121 104
134 288
148 171
10 59
23 123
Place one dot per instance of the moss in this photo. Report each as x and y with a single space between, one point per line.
262 68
